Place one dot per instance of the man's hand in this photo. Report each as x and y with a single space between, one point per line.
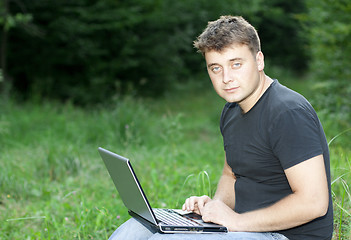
216 211
195 204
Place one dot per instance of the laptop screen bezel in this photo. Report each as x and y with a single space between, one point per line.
106 156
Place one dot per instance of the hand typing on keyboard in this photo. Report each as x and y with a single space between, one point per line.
195 204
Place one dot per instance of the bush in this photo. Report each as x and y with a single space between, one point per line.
328 30
86 51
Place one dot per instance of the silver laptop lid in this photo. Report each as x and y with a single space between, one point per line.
127 184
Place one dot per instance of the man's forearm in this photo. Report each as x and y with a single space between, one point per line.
225 188
287 213
225 193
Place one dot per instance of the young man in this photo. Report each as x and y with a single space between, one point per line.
275 182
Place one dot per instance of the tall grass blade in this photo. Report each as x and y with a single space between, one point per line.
201 183
341 214
181 190
338 135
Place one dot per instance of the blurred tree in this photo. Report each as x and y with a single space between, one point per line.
65 56
87 51
7 22
328 30
281 32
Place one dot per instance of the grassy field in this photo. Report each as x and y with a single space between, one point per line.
53 184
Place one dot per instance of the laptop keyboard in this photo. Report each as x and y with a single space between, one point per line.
170 217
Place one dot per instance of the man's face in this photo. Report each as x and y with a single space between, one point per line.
235 73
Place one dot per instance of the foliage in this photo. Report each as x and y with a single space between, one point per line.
8 21
280 33
328 29
87 51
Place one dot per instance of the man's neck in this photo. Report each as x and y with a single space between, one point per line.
265 83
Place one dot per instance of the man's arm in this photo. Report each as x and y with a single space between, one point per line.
225 192
225 188
308 201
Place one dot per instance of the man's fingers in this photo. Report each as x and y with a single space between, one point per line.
200 204
189 204
195 204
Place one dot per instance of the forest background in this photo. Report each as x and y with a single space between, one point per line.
76 75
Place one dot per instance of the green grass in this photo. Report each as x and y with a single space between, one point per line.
53 184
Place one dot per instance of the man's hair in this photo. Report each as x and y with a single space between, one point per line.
226 31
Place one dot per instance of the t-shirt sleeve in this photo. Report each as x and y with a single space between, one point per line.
295 137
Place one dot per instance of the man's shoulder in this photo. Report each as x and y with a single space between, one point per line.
285 94
282 98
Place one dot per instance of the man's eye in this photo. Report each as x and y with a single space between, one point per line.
215 69
236 65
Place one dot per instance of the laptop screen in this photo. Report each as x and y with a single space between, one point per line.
127 184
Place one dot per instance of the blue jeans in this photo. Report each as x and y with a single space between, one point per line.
133 230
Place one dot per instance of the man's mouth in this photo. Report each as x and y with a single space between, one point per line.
231 89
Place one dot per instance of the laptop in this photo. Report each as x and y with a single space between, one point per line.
135 200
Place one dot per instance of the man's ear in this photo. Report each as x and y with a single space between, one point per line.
260 61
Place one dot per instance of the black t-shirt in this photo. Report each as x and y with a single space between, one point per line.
280 131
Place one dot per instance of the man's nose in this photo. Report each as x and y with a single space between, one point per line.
228 75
